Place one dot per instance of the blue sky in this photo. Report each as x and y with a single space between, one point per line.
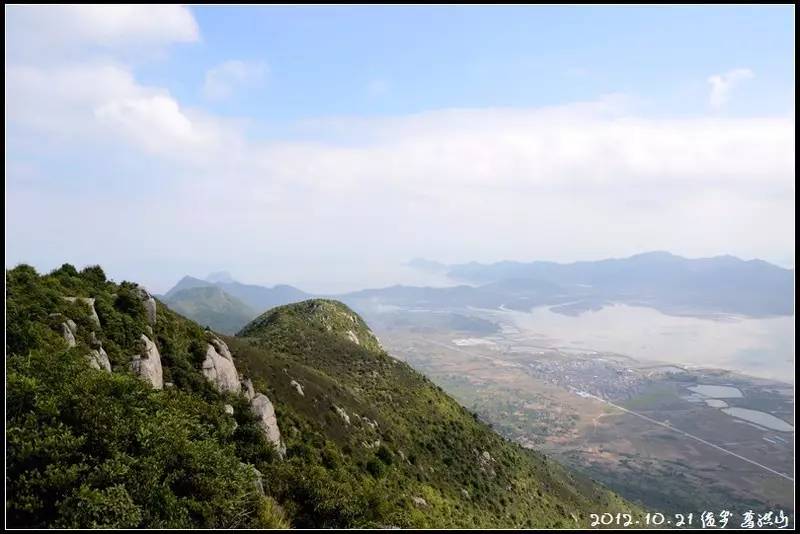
323 146
322 60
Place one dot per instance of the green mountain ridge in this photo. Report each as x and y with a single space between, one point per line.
363 441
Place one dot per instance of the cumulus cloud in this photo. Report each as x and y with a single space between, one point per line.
224 79
722 84
51 32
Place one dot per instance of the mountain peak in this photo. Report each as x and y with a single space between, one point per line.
329 316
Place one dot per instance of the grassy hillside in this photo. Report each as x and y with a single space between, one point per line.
211 306
369 442
284 323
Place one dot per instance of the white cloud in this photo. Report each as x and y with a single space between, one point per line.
584 180
224 79
577 181
48 33
722 84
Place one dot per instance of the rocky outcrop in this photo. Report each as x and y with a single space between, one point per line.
485 461
219 369
296 385
419 501
263 409
149 304
97 356
99 359
352 337
147 364
89 302
68 333
373 424
247 389
72 326
228 409
342 414
222 348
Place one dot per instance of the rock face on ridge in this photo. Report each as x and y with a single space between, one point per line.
68 331
149 304
147 364
219 369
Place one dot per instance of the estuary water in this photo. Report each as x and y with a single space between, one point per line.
757 347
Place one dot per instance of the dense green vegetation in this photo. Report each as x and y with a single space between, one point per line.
369 442
87 448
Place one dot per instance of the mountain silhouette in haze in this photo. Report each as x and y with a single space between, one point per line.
722 285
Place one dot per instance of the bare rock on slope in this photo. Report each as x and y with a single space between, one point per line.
69 334
263 409
219 369
99 359
149 304
147 364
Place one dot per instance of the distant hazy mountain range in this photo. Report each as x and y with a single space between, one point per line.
660 280
211 306
670 283
224 304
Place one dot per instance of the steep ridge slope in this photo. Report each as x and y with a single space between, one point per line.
121 413
378 428
118 416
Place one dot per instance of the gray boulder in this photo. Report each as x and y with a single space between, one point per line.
265 411
149 304
69 335
147 364
222 348
296 385
419 501
99 359
219 369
